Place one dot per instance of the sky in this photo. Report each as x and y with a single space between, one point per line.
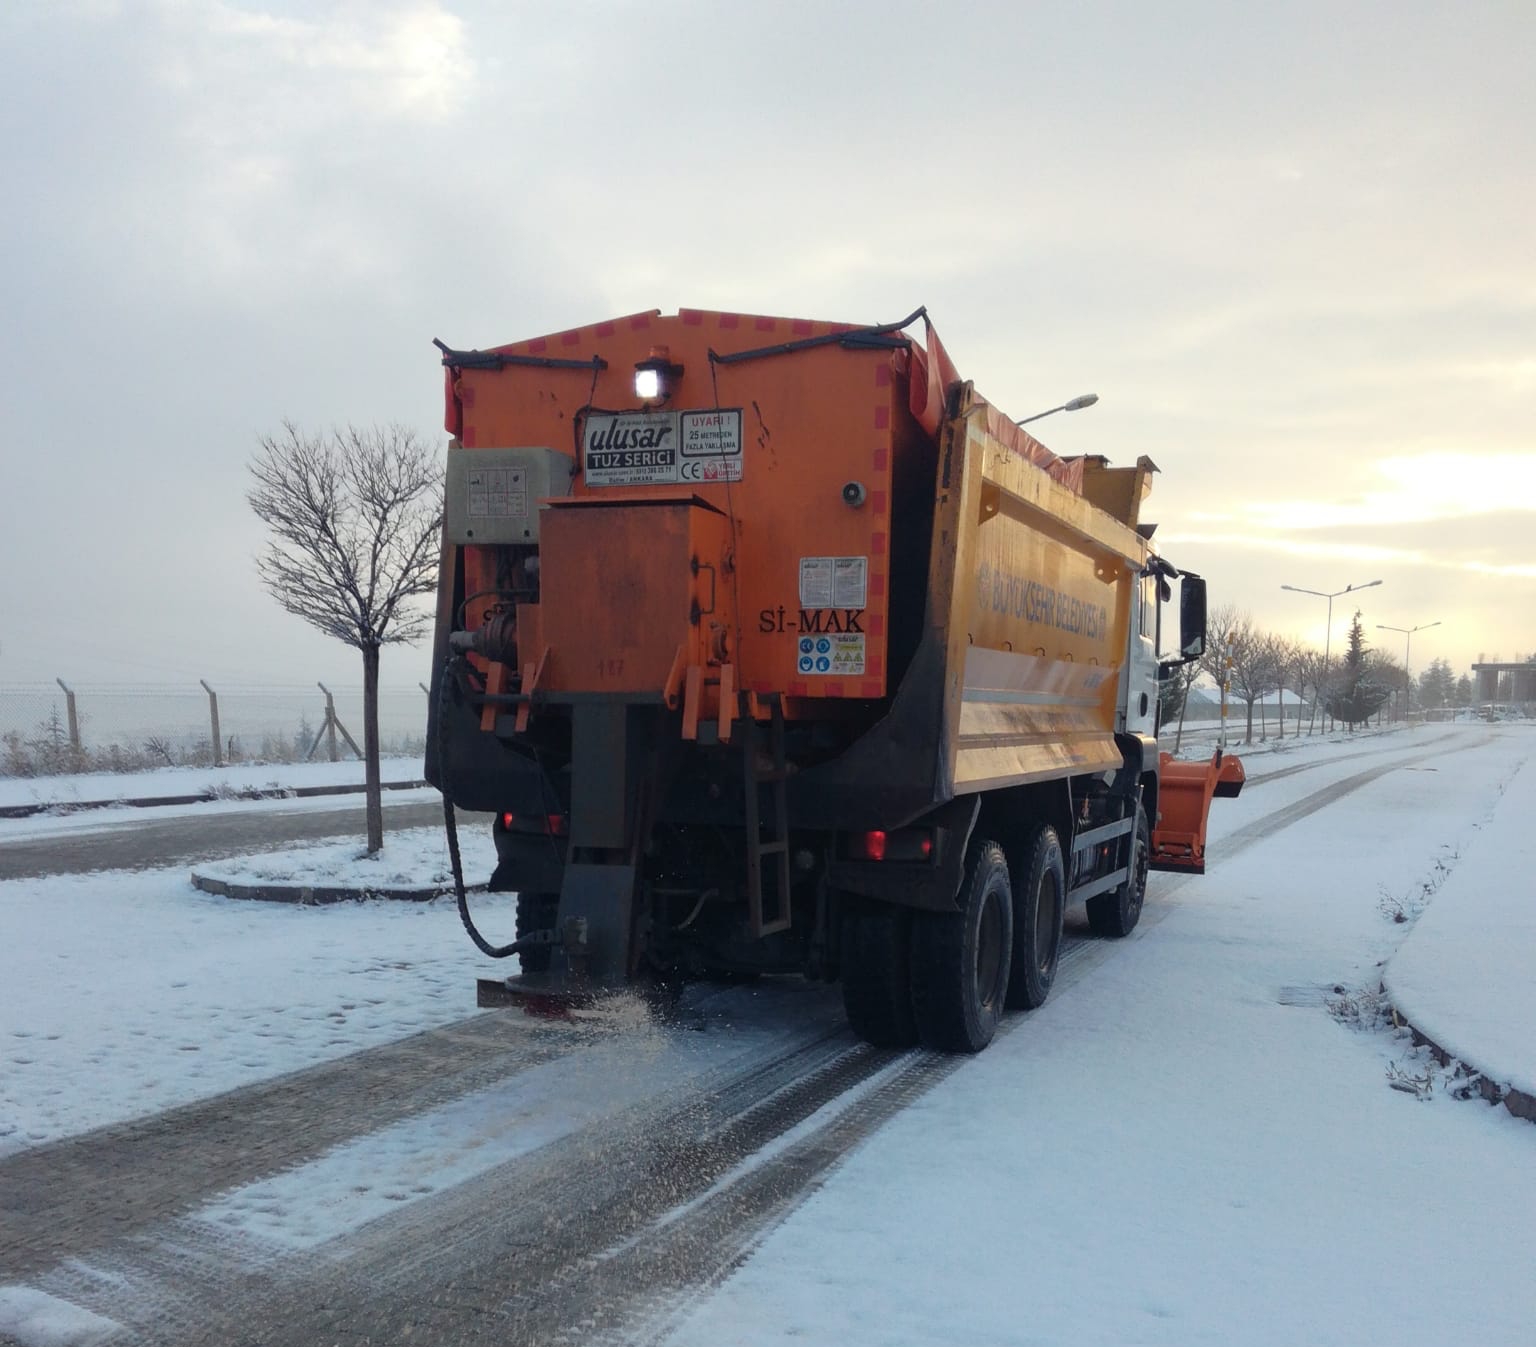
1289 250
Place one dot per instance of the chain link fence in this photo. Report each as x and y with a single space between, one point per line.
48 729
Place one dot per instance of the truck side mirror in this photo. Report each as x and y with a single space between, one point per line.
1191 617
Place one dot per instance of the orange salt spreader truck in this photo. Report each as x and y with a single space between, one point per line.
775 648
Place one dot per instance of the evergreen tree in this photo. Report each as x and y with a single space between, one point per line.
1171 694
1358 692
1437 685
1464 690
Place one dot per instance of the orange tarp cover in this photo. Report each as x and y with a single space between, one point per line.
935 373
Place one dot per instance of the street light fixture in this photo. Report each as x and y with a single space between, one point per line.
1076 405
1407 659
1328 634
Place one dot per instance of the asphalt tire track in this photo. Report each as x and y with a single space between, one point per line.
52 1197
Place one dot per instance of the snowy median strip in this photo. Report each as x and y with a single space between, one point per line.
1462 979
413 866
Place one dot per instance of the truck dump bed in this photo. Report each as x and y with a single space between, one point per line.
816 513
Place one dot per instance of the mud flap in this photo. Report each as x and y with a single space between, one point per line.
1184 794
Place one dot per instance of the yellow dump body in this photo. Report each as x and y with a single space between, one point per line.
1040 585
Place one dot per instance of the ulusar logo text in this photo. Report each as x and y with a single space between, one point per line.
614 445
615 436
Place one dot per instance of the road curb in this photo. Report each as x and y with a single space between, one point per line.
314 895
203 797
1518 1102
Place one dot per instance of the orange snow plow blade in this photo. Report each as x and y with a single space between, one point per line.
1185 791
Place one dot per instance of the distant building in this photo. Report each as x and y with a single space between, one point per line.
1520 688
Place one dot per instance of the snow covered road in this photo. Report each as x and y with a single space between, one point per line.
1185 1144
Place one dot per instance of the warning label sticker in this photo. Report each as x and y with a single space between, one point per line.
815 582
650 448
714 434
834 582
835 655
850 582
498 493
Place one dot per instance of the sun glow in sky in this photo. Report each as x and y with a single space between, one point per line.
1289 247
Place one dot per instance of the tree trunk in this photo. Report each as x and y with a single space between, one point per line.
373 792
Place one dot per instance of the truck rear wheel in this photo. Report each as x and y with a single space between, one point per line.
536 912
1117 912
876 954
960 960
1039 907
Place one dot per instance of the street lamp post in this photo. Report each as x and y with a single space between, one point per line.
1328 634
1075 405
1407 632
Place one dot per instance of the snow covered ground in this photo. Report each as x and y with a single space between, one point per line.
128 992
65 791
411 858
1196 1147
62 795
1200 1142
1466 974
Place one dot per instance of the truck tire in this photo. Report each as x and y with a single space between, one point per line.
536 912
960 960
1039 906
876 955
1117 912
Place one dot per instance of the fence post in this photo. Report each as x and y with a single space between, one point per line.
213 717
330 720
74 717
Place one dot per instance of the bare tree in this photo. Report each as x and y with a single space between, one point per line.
356 517
1281 653
1305 667
1252 671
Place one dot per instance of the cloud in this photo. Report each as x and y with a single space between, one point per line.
1298 273
404 60
215 155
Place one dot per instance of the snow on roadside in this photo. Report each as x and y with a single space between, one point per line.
66 822
1466 975
64 791
410 858
131 992
1183 1148
1188 1148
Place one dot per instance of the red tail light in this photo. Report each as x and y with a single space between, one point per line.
909 844
556 825
869 846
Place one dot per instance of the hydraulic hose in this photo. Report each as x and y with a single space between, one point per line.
451 826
